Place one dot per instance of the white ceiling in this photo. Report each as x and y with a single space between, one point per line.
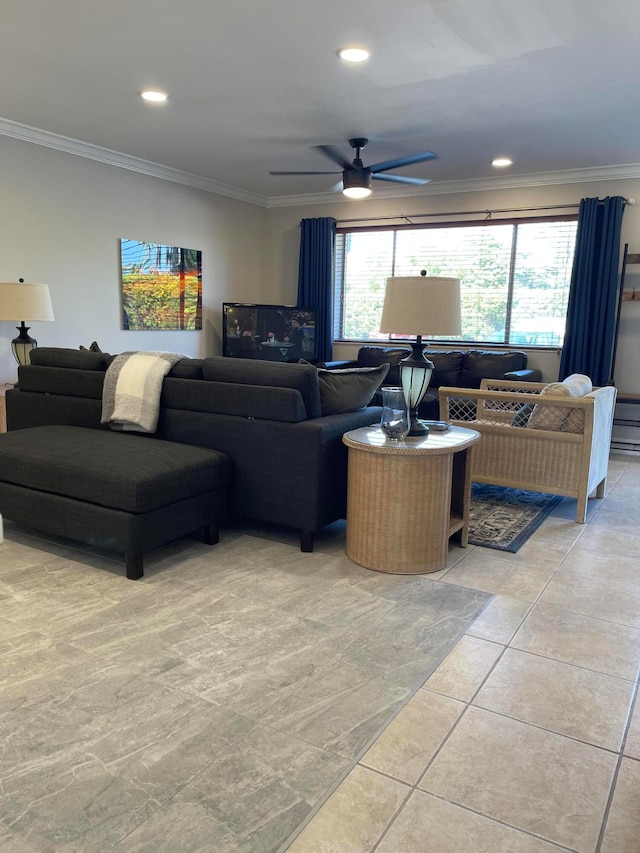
254 84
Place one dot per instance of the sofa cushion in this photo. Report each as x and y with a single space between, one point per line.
349 389
133 473
447 367
263 402
375 356
70 382
75 359
187 368
487 364
300 377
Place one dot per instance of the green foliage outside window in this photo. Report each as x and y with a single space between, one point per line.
514 277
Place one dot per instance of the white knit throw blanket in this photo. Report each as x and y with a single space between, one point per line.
132 388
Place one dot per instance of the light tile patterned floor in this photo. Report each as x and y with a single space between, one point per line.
526 738
213 704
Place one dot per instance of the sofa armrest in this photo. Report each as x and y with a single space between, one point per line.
336 365
530 374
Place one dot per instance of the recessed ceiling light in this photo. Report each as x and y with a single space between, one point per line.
353 54
501 162
154 95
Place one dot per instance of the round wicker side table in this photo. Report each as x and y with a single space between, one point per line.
406 499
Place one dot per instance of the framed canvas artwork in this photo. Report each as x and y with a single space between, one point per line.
161 287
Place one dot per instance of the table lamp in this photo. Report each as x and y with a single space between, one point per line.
420 305
20 301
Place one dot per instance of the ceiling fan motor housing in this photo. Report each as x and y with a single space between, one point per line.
356 177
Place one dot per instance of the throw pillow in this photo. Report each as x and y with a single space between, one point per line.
349 389
93 347
579 385
521 417
550 417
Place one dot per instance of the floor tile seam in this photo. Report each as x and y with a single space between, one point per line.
565 609
449 733
19 837
356 761
326 796
505 716
557 569
552 844
165 803
634 706
506 643
391 822
616 772
579 666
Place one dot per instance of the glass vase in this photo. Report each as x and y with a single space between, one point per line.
394 422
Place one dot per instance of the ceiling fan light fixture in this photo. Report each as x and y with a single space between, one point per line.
357 192
356 183
154 96
501 162
353 54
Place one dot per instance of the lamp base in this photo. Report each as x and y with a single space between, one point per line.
23 344
417 427
415 375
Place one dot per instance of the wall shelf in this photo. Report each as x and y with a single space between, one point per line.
634 294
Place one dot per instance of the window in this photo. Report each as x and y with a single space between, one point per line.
514 276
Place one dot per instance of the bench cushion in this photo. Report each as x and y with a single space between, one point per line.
133 473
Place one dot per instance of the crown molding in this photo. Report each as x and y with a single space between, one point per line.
539 179
166 173
124 161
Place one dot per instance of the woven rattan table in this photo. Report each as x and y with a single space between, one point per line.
406 499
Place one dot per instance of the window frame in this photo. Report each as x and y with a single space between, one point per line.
338 301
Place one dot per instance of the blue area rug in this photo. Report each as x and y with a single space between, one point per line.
503 518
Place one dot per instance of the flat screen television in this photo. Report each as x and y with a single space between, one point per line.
269 332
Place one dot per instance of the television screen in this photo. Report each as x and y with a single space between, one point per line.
269 332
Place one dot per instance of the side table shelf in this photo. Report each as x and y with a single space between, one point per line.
406 499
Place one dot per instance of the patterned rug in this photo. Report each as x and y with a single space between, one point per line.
503 518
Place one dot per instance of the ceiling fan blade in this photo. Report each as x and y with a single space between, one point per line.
304 173
400 179
403 161
333 154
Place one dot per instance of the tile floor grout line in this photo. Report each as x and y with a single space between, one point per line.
356 762
568 663
554 844
616 772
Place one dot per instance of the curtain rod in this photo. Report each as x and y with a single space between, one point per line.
487 213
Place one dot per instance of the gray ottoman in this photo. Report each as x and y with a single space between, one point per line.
122 491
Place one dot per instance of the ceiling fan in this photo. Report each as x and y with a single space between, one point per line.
356 177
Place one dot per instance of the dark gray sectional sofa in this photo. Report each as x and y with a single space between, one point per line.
288 462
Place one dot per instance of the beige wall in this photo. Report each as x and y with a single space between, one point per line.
62 216
282 238
61 219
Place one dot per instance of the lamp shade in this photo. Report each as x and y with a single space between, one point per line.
21 301
422 305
